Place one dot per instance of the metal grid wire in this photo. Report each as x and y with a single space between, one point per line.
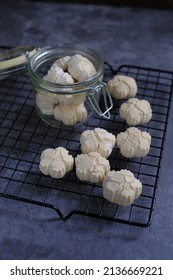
23 136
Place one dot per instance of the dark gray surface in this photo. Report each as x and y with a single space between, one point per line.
122 36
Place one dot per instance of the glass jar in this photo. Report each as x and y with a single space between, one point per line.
65 105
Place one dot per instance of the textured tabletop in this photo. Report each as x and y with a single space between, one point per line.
122 35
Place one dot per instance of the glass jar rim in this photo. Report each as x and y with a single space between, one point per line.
75 49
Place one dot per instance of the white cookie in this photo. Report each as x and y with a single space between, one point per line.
70 114
97 140
91 167
45 102
133 142
80 68
136 111
56 162
121 187
58 76
121 87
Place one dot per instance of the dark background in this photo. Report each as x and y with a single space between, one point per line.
137 3
121 35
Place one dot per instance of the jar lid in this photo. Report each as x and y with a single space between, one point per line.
14 60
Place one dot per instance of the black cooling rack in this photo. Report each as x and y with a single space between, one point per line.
23 136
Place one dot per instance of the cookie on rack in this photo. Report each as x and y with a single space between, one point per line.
121 187
122 87
97 140
134 142
56 162
91 167
136 111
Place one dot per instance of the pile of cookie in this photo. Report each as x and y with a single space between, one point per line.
92 165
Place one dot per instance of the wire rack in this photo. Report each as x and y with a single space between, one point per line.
23 136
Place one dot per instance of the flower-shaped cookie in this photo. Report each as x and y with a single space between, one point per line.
70 114
45 102
136 111
56 162
91 167
97 140
80 68
133 142
121 187
121 87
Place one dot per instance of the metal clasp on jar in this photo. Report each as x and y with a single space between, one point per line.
94 100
